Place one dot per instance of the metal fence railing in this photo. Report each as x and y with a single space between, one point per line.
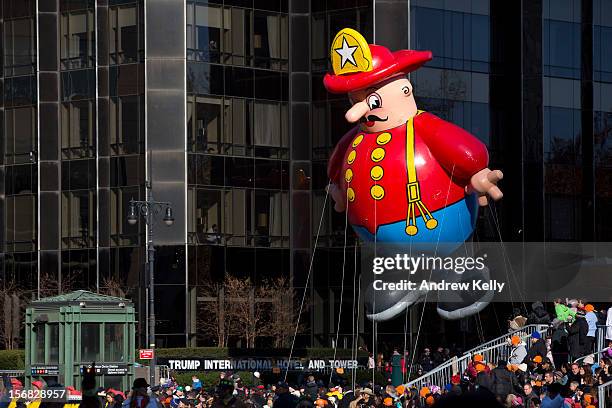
441 375
524 332
491 351
12 373
595 355
604 395
601 337
164 372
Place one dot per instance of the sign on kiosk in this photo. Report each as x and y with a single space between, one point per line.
145 354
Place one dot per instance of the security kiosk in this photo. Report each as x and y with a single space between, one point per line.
66 333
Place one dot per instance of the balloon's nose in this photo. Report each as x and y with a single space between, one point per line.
357 111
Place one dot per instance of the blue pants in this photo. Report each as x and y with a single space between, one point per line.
456 224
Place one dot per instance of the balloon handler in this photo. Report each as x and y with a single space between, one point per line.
405 176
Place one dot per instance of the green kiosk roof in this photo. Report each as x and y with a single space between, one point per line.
79 296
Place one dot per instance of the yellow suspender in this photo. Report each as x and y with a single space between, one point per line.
413 188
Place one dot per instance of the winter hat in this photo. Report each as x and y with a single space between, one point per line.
435 389
478 357
430 400
589 308
448 387
400 389
388 402
139 383
515 340
455 379
536 335
537 359
424 392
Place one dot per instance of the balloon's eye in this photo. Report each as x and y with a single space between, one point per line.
374 101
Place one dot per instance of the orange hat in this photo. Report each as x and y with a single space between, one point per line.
340 370
358 65
516 340
478 357
388 402
480 367
588 398
430 400
591 406
424 392
537 359
589 308
320 402
400 389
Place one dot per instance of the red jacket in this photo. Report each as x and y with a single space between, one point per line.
445 158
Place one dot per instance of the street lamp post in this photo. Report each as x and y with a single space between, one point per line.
149 209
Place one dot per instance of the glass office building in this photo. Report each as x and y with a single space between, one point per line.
220 104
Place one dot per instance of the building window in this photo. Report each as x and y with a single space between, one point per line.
20 135
126 124
561 49
21 222
237 36
238 217
54 339
204 31
78 47
19 47
237 126
78 130
270 46
457 39
205 124
124 42
90 342
122 233
78 219
562 136
113 342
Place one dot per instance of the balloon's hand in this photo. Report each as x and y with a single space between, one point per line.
484 183
338 196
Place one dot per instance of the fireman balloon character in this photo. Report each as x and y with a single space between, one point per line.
403 175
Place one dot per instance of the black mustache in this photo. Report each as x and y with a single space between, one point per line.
373 118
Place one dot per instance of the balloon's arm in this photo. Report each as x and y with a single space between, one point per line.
457 151
334 165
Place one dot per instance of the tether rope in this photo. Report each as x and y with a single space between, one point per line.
297 324
416 342
346 210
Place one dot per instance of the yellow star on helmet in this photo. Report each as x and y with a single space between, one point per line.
350 53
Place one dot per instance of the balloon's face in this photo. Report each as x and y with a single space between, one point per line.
386 105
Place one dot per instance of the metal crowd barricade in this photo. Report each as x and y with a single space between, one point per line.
491 351
164 372
601 336
604 394
12 373
441 375
524 332
596 356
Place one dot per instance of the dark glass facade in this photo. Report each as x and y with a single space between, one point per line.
220 104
